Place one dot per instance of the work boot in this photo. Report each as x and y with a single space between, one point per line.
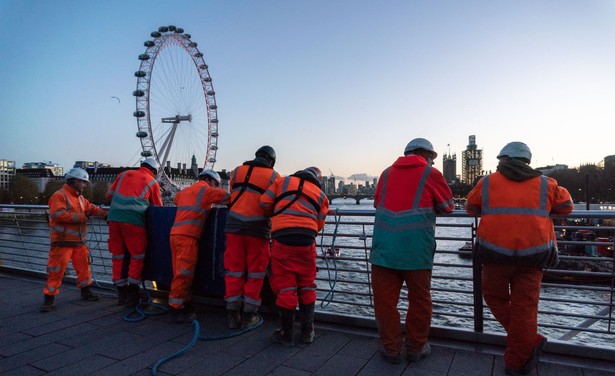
48 304
416 356
122 291
249 320
531 363
284 336
234 318
182 316
87 294
132 296
306 315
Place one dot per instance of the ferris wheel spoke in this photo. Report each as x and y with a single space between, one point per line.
168 142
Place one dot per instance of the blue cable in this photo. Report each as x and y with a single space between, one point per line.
196 336
139 312
181 352
332 280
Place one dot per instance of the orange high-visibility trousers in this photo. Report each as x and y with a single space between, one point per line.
512 293
57 263
293 271
125 240
185 254
387 284
245 261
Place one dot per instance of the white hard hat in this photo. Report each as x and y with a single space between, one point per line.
211 174
420 143
77 173
151 162
516 149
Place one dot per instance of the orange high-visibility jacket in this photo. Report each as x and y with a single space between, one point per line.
192 206
245 215
132 192
307 211
68 215
515 226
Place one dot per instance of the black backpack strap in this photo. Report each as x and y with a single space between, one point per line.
244 186
298 193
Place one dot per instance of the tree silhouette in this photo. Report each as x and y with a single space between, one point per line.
50 188
23 191
98 193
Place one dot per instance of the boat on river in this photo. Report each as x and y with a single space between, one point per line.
465 252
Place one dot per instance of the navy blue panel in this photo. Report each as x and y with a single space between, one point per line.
209 275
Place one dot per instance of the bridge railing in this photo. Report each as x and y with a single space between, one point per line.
577 304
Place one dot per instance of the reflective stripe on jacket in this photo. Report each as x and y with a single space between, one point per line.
245 216
308 211
132 192
515 226
68 215
192 206
408 196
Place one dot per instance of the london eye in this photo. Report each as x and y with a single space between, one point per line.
176 109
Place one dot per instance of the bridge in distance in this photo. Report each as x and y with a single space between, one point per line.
356 197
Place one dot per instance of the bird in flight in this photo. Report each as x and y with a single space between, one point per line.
118 99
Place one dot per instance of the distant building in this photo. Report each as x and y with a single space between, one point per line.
180 175
449 167
54 167
471 162
40 176
341 187
609 165
194 166
87 164
551 169
7 172
350 189
328 184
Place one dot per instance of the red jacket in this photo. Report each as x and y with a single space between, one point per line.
131 194
408 196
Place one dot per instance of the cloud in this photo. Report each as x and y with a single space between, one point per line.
361 177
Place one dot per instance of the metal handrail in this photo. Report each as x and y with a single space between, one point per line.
344 285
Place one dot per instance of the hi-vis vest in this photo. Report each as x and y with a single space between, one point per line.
295 203
248 183
192 206
515 226
68 215
132 192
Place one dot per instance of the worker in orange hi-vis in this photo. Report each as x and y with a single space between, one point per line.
515 242
298 208
247 238
193 204
132 192
68 215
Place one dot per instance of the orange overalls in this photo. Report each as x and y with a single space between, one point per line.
132 192
297 207
192 206
68 215
247 237
515 240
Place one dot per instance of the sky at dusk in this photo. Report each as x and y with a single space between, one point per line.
342 85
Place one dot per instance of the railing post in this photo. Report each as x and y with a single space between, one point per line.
477 282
